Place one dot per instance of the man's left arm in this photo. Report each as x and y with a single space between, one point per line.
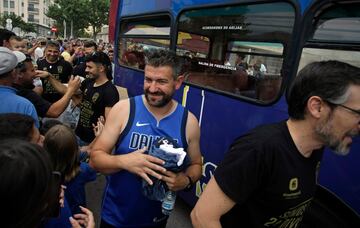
179 181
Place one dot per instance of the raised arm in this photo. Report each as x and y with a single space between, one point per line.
55 83
59 106
212 204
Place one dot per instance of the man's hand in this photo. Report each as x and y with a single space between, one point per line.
99 127
83 220
74 84
78 50
143 165
175 181
42 74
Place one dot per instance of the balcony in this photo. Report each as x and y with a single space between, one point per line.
33 10
33 20
34 1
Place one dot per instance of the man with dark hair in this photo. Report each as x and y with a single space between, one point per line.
24 84
58 67
89 48
132 127
99 95
19 126
270 180
5 38
10 102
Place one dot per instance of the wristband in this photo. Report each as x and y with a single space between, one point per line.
189 186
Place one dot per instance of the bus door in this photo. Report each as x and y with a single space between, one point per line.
332 32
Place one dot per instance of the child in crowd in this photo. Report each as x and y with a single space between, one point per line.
60 142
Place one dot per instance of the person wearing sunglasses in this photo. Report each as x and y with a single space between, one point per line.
268 177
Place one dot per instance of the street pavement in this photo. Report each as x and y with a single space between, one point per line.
180 217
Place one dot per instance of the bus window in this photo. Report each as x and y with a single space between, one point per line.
339 24
236 50
138 36
262 63
335 29
191 45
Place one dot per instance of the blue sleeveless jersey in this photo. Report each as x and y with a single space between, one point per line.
124 204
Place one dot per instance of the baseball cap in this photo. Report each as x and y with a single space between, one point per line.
9 59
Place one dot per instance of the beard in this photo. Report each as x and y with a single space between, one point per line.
165 98
92 76
338 145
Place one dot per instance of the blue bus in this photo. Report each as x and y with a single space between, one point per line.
240 57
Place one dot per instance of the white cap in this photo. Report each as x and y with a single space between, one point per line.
9 59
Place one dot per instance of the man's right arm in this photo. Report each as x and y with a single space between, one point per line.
54 82
136 162
212 204
100 158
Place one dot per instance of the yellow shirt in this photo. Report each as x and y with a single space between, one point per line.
66 55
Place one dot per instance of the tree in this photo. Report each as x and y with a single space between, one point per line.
83 13
99 16
69 11
17 21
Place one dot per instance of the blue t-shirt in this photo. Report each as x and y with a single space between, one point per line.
124 205
75 189
13 103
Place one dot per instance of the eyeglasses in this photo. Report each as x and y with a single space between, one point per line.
344 106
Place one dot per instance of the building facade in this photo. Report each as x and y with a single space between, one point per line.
31 11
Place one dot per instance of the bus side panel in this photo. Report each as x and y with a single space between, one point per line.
222 119
341 174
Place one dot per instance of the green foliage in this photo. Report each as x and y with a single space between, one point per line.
17 21
83 13
100 15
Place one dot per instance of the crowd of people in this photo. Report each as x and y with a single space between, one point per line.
43 83
38 86
46 161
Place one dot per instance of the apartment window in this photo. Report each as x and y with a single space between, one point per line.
6 4
31 18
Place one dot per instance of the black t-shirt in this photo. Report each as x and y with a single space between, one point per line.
41 105
80 70
95 100
268 178
61 70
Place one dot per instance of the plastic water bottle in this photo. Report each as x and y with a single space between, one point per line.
168 203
